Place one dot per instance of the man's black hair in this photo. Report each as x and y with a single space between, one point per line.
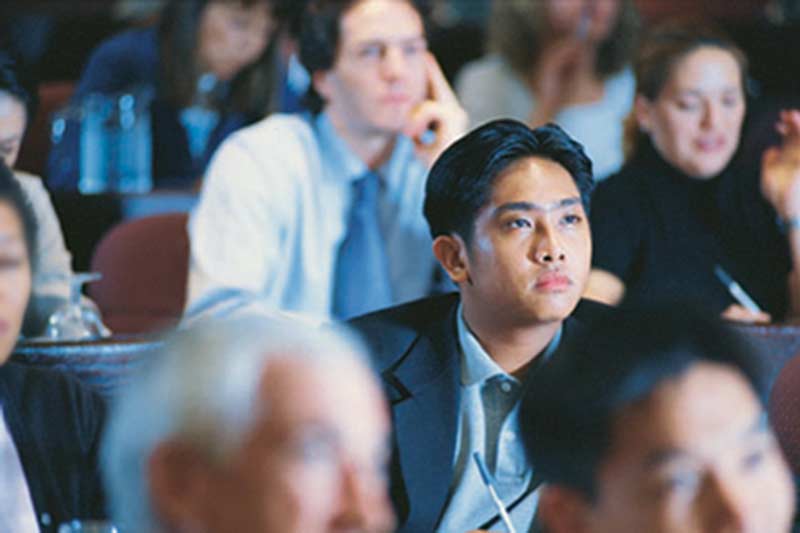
319 38
460 182
567 420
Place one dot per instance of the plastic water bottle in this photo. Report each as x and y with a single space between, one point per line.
93 175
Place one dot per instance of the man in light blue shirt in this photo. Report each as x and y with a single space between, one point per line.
321 213
507 208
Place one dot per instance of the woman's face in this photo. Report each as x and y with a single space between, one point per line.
590 20
232 35
15 278
695 121
13 118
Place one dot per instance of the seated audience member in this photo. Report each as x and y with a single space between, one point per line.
321 213
50 425
558 61
507 208
212 70
251 425
51 282
683 206
655 422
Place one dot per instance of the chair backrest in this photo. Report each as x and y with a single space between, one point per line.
784 411
144 263
36 143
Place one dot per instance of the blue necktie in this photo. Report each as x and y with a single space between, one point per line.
362 269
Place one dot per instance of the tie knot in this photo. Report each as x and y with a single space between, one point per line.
365 189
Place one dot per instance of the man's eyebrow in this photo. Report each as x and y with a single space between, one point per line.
666 455
532 206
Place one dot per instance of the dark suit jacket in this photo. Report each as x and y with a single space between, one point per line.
56 425
415 349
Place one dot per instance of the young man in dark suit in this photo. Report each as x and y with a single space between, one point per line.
507 209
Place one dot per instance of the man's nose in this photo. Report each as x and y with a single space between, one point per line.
394 62
725 503
548 247
365 501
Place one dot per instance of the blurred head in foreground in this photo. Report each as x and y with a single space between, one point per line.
656 423
251 425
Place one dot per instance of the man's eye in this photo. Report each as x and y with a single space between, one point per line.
679 483
371 52
688 105
412 49
572 219
519 223
10 263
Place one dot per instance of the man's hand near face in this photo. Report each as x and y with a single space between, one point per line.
440 112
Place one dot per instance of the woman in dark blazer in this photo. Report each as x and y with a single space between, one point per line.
50 425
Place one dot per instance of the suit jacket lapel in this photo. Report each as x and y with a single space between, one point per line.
425 418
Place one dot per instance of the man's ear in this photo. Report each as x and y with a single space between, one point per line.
643 111
321 79
451 252
563 510
179 479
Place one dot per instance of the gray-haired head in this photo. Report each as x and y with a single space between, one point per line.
203 389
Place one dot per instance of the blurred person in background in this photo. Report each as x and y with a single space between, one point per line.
321 213
212 67
51 283
656 422
562 61
293 438
50 425
684 206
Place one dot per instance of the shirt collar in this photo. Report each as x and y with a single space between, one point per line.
344 163
477 365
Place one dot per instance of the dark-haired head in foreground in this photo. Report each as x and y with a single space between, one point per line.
507 208
656 422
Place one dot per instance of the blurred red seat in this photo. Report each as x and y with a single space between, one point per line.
784 411
144 263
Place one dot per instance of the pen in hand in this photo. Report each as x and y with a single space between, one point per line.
736 290
487 480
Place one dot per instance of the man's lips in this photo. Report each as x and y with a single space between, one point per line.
553 281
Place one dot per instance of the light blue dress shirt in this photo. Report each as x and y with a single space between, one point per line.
273 212
469 504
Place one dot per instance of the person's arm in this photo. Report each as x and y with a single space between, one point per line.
604 287
780 185
51 283
617 219
235 230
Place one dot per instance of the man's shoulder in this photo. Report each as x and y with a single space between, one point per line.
388 330
276 132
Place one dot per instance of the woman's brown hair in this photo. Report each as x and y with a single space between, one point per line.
663 48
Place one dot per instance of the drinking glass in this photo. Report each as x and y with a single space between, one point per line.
73 320
87 526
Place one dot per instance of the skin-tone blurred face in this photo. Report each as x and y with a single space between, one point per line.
696 456
315 461
696 120
379 74
15 278
591 20
529 257
13 119
231 36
